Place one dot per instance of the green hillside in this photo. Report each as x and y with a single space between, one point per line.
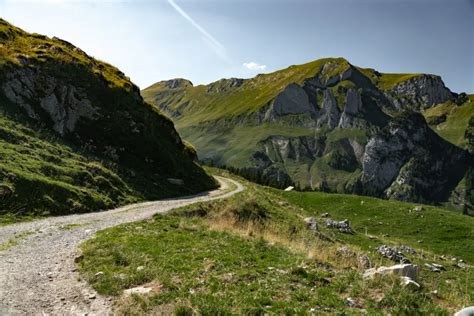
450 120
254 254
76 136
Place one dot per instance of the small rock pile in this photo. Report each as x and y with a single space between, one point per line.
342 226
392 254
406 249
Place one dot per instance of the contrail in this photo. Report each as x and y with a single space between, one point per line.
216 45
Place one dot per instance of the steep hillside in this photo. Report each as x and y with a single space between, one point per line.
77 136
325 125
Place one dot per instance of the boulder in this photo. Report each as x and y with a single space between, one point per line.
410 283
468 311
138 290
403 270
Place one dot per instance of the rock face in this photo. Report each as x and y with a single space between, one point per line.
38 93
330 113
419 93
292 100
351 109
400 160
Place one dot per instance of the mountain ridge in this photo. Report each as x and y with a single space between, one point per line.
284 124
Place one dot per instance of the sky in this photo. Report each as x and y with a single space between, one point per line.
205 40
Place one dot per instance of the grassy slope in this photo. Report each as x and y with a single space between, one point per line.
53 175
17 43
56 177
457 119
253 254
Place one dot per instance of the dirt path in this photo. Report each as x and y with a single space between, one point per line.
37 271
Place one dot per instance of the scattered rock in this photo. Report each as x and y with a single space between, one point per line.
404 270
406 249
468 311
138 290
99 274
140 268
409 283
460 265
392 254
121 276
92 296
345 252
342 226
312 224
325 215
350 302
364 262
290 188
434 267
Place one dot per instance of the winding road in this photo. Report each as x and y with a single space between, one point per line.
37 270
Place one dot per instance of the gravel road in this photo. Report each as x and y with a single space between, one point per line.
37 271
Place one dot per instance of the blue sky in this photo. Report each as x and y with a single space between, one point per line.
205 40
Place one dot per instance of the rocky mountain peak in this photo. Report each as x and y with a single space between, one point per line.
177 83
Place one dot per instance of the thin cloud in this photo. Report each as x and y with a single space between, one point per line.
254 66
215 44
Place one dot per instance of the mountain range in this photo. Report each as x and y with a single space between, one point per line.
332 126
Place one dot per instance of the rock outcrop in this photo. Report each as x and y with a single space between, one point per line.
352 110
292 100
330 113
419 92
38 94
400 161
